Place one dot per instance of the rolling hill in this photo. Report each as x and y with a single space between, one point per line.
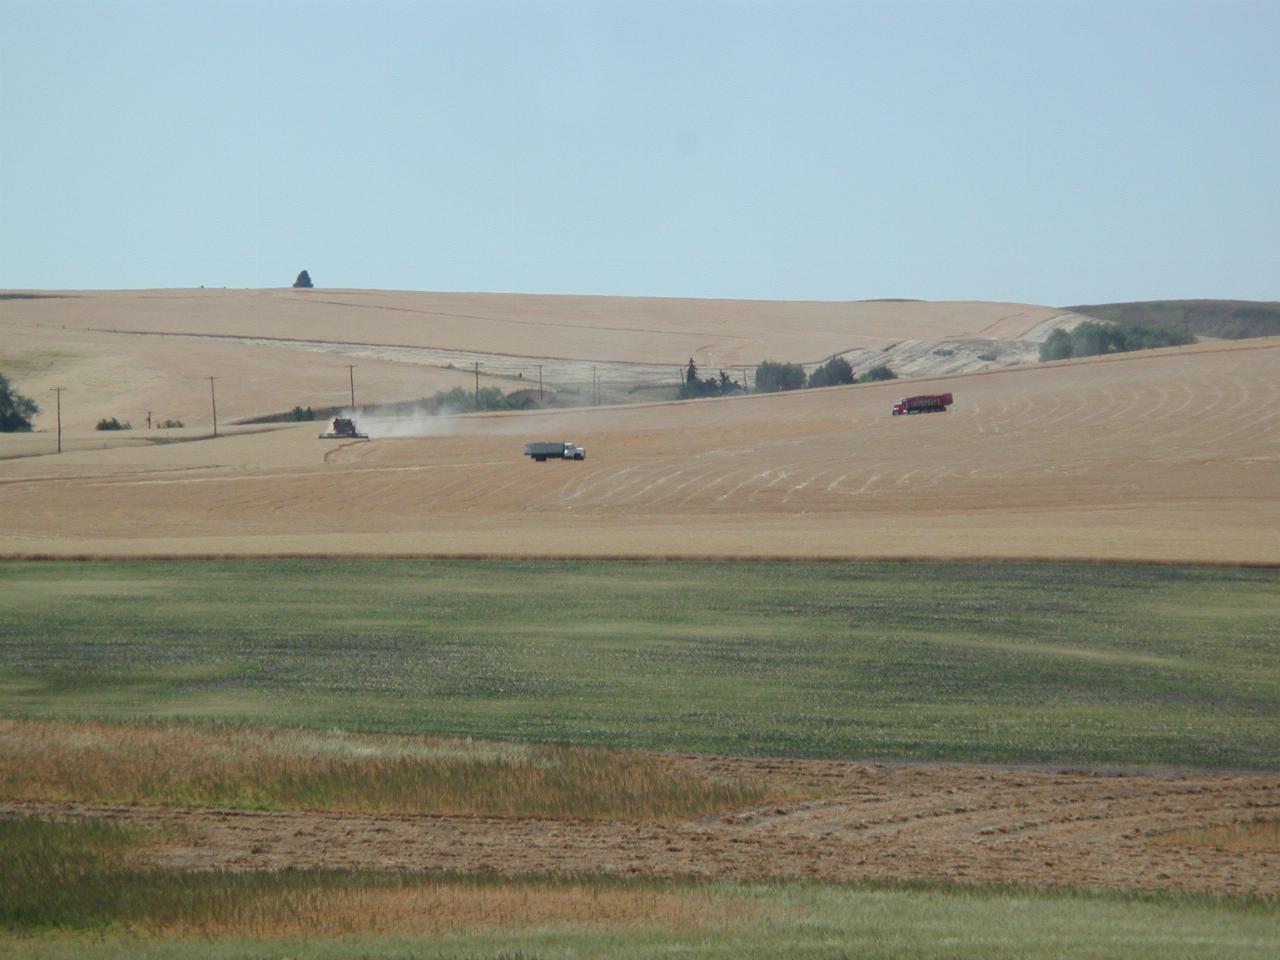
129 352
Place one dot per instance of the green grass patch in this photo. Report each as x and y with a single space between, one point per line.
1060 664
72 890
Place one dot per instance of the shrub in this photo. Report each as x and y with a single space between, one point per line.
721 385
16 410
300 413
171 424
772 377
490 398
303 282
880 372
1057 346
832 373
113 424
986 356
458 400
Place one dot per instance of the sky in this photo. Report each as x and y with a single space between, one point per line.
1044 152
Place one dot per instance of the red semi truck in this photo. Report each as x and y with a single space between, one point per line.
924 403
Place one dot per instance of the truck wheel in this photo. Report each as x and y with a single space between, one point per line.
540 459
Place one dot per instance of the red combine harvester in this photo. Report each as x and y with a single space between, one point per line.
924 403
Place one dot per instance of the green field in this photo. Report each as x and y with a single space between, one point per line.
1057 664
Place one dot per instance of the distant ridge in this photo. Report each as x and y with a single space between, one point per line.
1227 319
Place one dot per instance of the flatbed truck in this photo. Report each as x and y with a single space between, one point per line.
557 450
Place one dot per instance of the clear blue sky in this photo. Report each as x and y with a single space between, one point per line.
1051 152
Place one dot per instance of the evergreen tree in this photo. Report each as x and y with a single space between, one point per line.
16 410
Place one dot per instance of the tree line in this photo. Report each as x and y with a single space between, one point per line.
773 377
1091 339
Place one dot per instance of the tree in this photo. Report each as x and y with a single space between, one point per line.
772 377
832 373
1091 339
728 385
1057 346
881 372
16 410
303 282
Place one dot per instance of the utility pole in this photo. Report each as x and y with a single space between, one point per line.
214 400
539 384
477 384
351 373
595 388
58 391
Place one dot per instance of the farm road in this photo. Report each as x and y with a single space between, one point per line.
878 822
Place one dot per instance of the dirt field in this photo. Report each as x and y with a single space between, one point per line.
1161 455
951 824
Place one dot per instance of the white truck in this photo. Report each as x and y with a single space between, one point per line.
559 450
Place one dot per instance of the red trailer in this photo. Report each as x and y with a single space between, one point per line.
923 403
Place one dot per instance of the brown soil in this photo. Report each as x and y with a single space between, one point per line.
880 822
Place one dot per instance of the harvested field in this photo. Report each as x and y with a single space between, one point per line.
1167 455
883 822
127 352
622 329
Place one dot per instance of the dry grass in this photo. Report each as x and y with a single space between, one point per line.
408 906
1258 836
335 771
70 889
84 875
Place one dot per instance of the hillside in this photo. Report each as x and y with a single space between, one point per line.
126 352
1224 319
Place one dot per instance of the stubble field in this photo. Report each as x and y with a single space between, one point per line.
1169 456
